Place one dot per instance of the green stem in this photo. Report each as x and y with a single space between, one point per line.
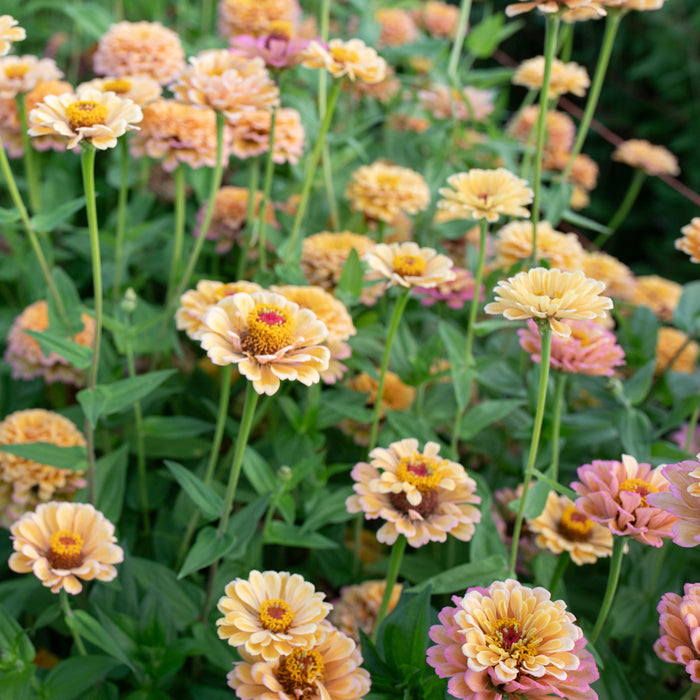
121 216
562 563
462 22
65 605
391 576
330 191
691 429
546 341
559 387
179 237
269 170
30 164
474 307
550 44
249 231
566 43
625 207
311 169
692 692
393 325
613 578
251 399
381 228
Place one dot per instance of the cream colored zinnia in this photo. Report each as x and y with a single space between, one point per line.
20 74
352 59
550 294
690 242
255 17
409 265
675 351
141 89
63 542
653 160
565 77
9 33
618 278
657 293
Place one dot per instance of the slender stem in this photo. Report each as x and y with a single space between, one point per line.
269 170
566 43
381 228
692 692
562 563
474 308
249 232
613 578
625 207
251 399
692 424
393 325
30 164
462 22
391 575
121 216
311 168
65 605
178 239
559 386
546 340
552 29
330 191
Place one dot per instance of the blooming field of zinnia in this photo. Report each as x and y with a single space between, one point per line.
318 381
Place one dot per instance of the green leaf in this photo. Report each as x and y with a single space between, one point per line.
462 377
635 433
278 532
73 676
686 317
584 222
112 398
638 385
208 502
459 578
555 485
258 472
7 216
91 630
73 458
174 427
77 355
484 414
329 509
93 18
110 482
351 278
72 305
244 524
207 548
15 647
51 220
483 39
536 500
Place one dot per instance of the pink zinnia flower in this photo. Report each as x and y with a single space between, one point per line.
456 293
590 349
278 48
683 500
615 493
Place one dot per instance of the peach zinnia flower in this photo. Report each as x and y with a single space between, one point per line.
398 26
329 670
255 17
550 294
268 337
140 48
439 19
63 542
467 104
485 194
92 116
20 74
618 278
614 493
682 499
659 294
9 33
546 6
679 627
141 89
418 494
409 265
690 242
25 356
565 77
674 346
456 293
559 128
271 613
352 59
653 160
250 135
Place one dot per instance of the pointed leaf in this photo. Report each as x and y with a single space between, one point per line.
73 676
208 502
73 458
77 355
459 578
91 630
110 482
51 220
207 548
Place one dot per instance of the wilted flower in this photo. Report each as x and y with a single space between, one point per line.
439 19
9 32
565 77
255 17
675 351
659 294
140 48
618 278
409 265
271 613
467 104
653 160
352 59
690 242
456 292
268 338
418 494
63 542
20 74
398 26
141 89
278 48
550 294
250 135
615 494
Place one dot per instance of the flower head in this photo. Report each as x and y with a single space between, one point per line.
550 294
409 265
439 19
250 135
352 59
653 160
456 292
256 17
418 494
485 194
467 104
560 130
63 542
565 77
20 74
659 294
690 242
9 33
615 494
268 337
271 613
397 26
278 49
675 351
548 6
617 277
140 48
141 89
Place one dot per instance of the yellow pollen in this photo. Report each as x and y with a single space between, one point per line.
269 330
299 672
16 71
507 635
65 550
575 524
85 113
281 29
275 615
119 85
425 473
408 265
643 488
342 54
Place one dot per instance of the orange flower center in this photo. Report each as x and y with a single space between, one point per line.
341 54
119 85
275 615
299 672
643 488
85 113
13 72
574 524
65 550
269 329
507 634
408 265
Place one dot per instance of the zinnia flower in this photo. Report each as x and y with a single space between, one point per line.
550 294
618 278
397 26
659 294
653 160
409 265
546 6
589 350
675 351
140 48
255 17
141 89
63 542
268 338
278 48
467 104
480 194
559 128
439 19
95 117
20 74
418 494
565 77
9 33
271 613
250 135
352 59
690 242
615 494
329 670
456 293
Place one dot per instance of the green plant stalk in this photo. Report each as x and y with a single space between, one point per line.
462 22
330 190
381 228
546 340
566 43
65 606
625 207
691 692
559 387
550 44
562 564
249 231
30 164
121 216
393 326
613 578
311 168
692 424
179 238
391 576
269 170
209 213
251 399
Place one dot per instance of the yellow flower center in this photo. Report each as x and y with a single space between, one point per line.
65 550
275 615
643 488
119 85
85 113
574 524
425 473
299 672
16 71
342 54
582 336
506 634
269 329
281 29
408 265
